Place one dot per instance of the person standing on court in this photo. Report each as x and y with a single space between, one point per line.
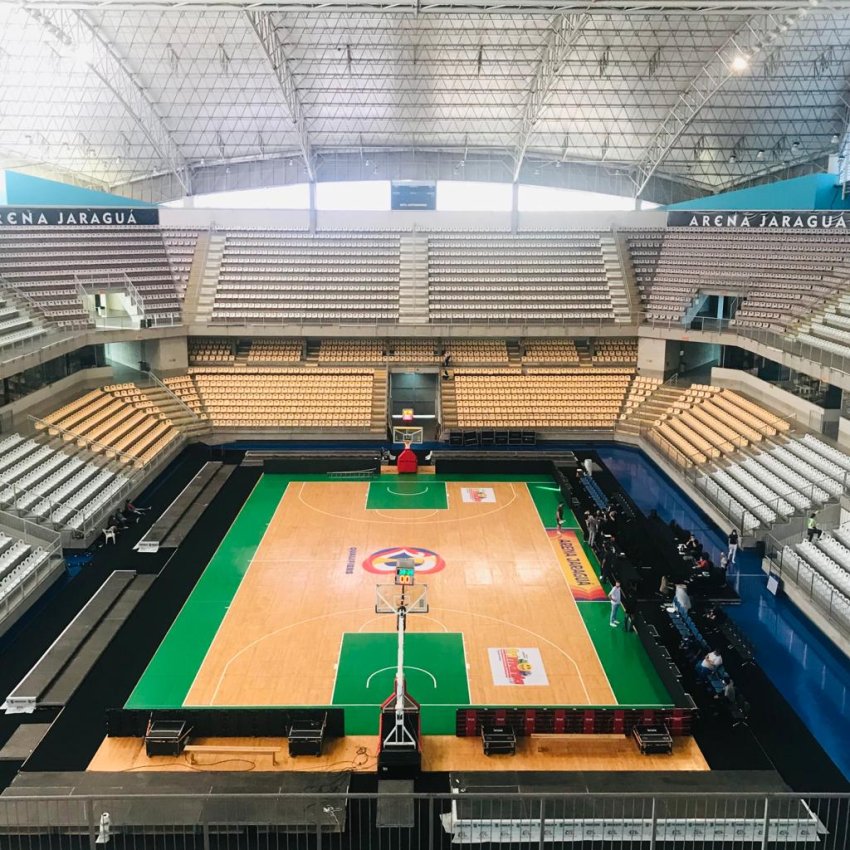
733 546
592 524
559 516
616 597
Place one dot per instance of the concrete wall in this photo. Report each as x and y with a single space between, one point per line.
657 358
167 355
786 404
844 431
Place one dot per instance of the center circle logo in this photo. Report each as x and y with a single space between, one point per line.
387 561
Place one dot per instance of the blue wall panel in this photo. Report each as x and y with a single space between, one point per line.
28 191
812 192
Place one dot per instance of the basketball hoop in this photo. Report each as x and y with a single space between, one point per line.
399 748
408 435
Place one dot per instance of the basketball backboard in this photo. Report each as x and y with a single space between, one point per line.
391 598
408 435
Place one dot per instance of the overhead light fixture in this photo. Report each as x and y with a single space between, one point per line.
835 138
760 156
733 157
795 147
740 63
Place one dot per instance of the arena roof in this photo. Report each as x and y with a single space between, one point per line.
666 98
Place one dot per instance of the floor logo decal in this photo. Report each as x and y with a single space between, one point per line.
387 561
484 495
517 665
576 567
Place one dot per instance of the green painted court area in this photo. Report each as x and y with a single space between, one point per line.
400 494
627 666
171 671
434 667
435 662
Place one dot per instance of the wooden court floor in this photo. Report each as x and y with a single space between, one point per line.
494 580
440 753
305 588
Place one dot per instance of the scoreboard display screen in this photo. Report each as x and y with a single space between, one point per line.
413 195
404 575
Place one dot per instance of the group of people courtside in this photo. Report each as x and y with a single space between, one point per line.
709 665
600 529
122 518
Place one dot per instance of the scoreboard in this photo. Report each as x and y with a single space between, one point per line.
413 195
405 575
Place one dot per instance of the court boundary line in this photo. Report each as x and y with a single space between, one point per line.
260 639
406 667
379 617
186 602
533 634
387 521
282 629
569 589
418 493
336 670
380 512
466 666
244 575
514 498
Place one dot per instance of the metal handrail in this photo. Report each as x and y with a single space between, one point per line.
49 426
155 378
774 555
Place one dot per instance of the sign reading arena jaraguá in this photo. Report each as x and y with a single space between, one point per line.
78 216
778 220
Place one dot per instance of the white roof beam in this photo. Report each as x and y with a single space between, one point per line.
72 27
264 28
735 56
561 37
719 8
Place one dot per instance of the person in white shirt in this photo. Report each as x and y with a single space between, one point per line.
682 597
588 465
616 597
712 662
592 524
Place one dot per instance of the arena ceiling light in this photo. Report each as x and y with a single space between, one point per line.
740 63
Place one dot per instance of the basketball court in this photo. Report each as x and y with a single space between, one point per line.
285 613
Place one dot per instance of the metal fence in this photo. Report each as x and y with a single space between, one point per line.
816 588
338 821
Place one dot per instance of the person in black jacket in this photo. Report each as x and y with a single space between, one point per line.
733 546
